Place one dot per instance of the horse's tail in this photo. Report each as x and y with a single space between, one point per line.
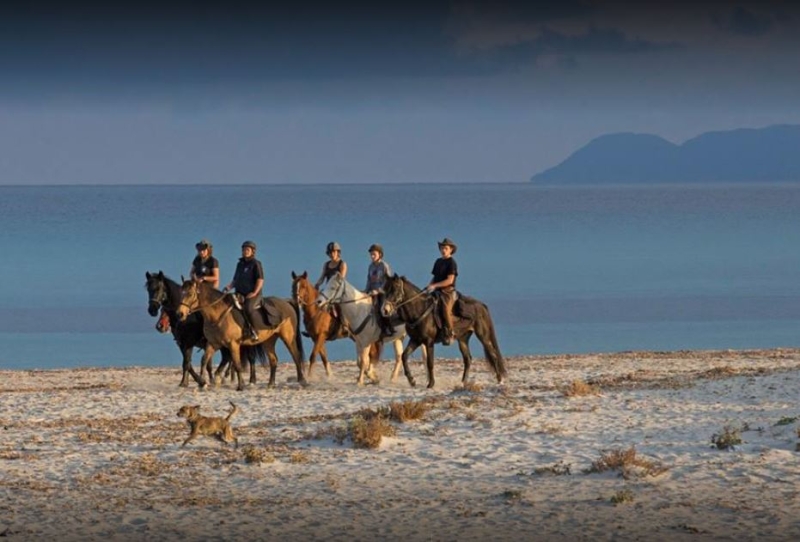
493 354
298 336
253 353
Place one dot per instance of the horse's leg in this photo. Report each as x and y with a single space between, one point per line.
406 353
236 363
429 365
363 367
398 358
319 344
187 367
323 355
375 352
463 345
208 354
252 363
289 335
273 361
224 362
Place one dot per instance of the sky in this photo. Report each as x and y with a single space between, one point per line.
373 92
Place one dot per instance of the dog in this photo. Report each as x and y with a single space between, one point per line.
208 426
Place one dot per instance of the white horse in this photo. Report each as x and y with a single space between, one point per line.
356 311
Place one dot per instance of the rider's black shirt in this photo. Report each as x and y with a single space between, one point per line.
204 268
247 274
443 268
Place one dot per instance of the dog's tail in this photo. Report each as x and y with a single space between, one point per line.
233 411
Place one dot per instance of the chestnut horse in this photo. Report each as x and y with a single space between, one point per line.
318 322
223 326
417 309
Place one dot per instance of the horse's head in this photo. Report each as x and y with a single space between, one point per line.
392 295
163 325
190 300
302 290
156 291
333 292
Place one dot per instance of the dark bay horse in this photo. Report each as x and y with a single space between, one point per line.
223 327
417 310
318 322
165 294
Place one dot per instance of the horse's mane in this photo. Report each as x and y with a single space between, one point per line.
410 284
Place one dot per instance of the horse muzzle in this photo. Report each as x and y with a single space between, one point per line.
387 309
183 313
152 308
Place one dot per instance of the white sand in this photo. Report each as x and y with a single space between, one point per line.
96 454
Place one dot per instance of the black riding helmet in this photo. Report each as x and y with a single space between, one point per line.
250 244
333 245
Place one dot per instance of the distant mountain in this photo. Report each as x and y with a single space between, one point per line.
766 154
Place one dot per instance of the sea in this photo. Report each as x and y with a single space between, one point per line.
574 269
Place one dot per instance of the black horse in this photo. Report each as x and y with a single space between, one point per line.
165 294
418 311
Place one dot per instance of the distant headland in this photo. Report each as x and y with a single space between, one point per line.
743 155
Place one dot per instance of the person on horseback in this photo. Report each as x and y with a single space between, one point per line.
248 281
445 271
377 272
335 264
205 267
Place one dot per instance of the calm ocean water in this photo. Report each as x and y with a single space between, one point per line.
576 269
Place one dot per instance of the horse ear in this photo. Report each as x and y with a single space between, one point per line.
183 279
160 274
147 275
305 274
294 275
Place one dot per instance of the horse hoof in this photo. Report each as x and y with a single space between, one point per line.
412 383
430 385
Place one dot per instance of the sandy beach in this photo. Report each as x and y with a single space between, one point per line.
690 445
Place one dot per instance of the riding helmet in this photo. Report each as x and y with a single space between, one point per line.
333 245
203 244
250 244
377 248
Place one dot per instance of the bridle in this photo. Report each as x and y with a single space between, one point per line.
158 298
200 307
400 301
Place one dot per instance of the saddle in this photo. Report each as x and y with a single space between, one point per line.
268 315
465 308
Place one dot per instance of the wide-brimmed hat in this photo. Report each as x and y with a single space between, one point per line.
250 244
333 245
449 243
202 244
377 248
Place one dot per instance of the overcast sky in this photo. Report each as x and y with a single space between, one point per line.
373 92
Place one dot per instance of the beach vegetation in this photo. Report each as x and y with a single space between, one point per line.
786 420
622 496
557 469
627 462
579 388
255 455
368 432
726 439
408 410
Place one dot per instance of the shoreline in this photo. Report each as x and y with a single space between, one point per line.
95 453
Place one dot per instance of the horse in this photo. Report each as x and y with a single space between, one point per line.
356 309
165 294
318 322
417 310
224 327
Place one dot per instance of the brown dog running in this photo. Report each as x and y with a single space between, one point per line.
208 426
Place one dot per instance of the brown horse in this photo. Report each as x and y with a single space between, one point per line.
418 311
319 323
223 326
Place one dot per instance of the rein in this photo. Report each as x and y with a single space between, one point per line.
201 307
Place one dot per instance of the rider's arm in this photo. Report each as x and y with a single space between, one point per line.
343 269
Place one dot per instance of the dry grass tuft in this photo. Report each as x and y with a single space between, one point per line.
579 388
299 457
469 386
627 463
727 439
408 410
557 469
257 455
368 433
622 496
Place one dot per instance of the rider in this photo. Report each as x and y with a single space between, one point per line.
248 280
335 264
205 267
445 271
376 276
